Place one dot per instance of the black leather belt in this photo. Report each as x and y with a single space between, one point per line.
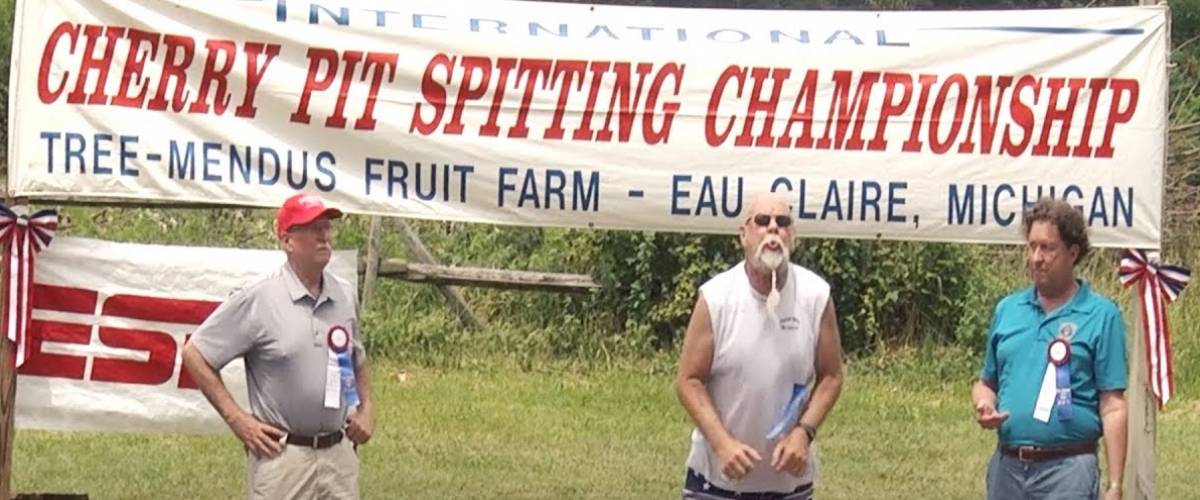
1036 453
318 442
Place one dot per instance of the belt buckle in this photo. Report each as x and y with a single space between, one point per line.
1021 453
315 441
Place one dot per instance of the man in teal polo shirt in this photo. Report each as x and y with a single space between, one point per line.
1053 379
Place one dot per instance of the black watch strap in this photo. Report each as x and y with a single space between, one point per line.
810 430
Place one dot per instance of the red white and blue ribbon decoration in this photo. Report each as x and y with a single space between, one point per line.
1157 285
22 237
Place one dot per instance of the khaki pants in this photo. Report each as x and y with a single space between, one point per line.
304 473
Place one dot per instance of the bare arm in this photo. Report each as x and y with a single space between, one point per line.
695 366
362 378
361 424
829 370
1114 415
260 438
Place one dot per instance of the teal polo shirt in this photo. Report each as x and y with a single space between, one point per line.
1021 333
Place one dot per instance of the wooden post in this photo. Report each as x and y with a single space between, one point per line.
8 407
8 391
483 277
1142 427
373 236
1143 409
459 304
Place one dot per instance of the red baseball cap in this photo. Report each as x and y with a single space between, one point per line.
302 208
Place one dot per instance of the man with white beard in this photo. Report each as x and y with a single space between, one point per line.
760 370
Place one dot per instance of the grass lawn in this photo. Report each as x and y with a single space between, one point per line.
610 433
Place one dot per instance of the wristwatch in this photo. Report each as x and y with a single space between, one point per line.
810 430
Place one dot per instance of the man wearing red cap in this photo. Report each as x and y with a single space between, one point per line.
306 370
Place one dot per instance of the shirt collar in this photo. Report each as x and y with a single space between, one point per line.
1080 302
297 291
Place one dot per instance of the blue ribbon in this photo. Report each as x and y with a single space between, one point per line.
1062 401
349 386
791 412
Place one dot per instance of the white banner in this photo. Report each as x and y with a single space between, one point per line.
902 125
109 323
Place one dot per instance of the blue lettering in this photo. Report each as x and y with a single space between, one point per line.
181 167
894 201
127 153
964 210
325 160
99 151
210 161
75 152
503 185
677 193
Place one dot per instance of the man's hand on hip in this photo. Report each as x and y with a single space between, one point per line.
791 453
360 425
262 439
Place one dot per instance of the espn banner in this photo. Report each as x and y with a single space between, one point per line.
109 323
937 126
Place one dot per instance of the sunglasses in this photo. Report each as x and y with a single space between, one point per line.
764 220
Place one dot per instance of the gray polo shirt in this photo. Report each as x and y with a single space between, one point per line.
281 331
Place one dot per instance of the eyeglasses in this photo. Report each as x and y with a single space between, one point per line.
764 220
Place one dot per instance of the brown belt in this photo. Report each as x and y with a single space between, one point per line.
1035 453
318 442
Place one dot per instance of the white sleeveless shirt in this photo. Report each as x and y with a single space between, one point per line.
756 360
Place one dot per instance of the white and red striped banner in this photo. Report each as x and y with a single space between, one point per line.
929 126
22 237
1157 285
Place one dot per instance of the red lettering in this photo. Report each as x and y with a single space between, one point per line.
711 135
177 56
1022 115
470 65
376 64
93 63
434 94
532 70
1116 115
565 72
937 145
225 50
338 118
628 101
61 298
135 63
891 82
670 108
317 57
913 144
584 132
254 75
44 364
45 93
848 110
1084 149
1056 114
156 370
191 312
805 97
988 115
759 105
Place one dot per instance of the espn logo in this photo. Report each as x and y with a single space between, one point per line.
149 355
